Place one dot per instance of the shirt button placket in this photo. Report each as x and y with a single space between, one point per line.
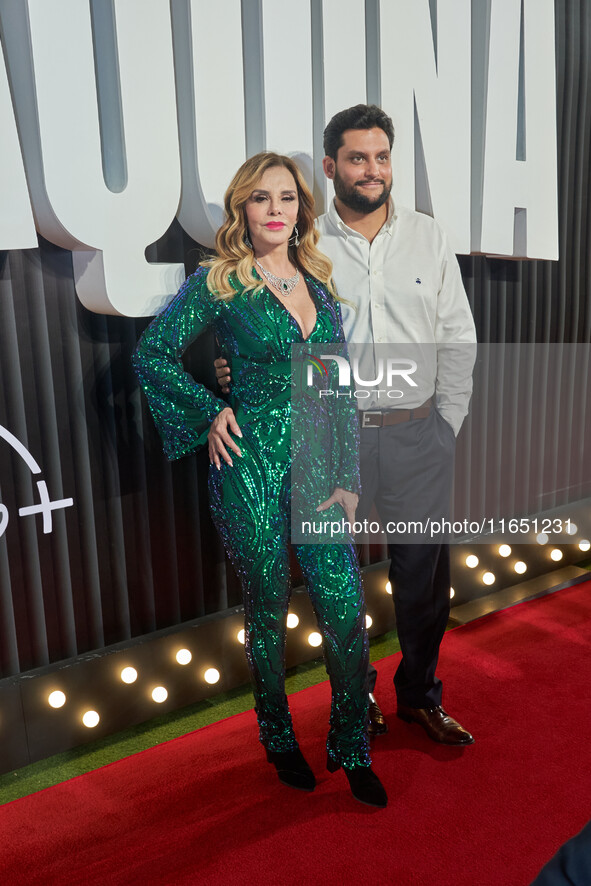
378 316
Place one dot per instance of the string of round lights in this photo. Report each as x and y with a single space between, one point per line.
133 674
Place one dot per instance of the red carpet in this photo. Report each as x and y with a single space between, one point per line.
208 809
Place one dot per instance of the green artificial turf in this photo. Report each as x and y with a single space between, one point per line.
62 767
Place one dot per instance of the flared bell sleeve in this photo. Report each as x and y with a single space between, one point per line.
183 409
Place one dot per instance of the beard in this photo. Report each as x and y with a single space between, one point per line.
363 203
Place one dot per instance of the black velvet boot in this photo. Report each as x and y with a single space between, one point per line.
292 769
365 785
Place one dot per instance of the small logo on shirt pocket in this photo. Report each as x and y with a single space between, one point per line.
418 280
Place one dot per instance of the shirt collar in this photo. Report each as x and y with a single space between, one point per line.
387 227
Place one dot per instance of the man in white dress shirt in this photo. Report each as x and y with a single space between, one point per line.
402 282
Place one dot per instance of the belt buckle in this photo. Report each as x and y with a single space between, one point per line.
371 419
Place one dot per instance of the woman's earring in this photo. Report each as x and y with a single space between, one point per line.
296 234
247 242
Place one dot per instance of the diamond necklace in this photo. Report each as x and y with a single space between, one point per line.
285 285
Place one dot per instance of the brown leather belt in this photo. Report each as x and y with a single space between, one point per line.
378 419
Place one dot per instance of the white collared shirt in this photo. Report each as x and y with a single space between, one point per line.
406 289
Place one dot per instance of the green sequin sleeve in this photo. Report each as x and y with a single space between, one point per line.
182 408
346 440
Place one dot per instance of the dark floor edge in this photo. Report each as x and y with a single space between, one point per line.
519 593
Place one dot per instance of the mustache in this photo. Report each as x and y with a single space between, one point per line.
366 181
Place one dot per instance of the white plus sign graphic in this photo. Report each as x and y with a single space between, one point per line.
46 506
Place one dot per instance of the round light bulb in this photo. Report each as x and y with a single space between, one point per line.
184 656
389 587
212 675
292 620
315 639
241 636
520 567
129 675
91 719
571 528
542 538
159 694
556 555
504 550
56 699
452 593
488 578
584 544
368 621
472 561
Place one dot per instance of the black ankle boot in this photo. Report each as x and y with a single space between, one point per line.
365 785
292 769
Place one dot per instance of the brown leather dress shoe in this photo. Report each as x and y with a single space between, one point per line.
377 722
437 724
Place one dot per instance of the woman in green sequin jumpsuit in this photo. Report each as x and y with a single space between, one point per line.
251 453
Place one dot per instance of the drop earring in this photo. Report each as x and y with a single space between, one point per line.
296 235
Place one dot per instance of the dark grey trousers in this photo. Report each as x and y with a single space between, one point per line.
407 473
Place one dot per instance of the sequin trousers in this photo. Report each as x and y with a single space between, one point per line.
251 500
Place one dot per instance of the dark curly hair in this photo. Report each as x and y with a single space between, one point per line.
357 117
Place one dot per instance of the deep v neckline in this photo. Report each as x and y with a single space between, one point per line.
284 307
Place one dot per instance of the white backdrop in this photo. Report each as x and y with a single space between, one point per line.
124 115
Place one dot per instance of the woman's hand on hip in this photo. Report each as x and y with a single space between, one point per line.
219 439
347 500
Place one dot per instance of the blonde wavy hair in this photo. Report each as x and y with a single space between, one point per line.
236 259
